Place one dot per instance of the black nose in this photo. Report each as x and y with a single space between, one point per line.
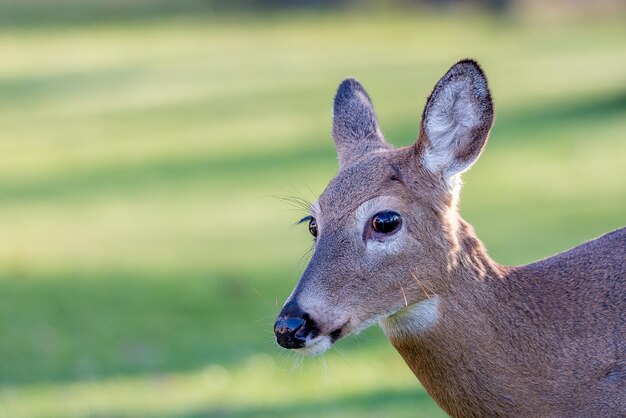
293 326
286 330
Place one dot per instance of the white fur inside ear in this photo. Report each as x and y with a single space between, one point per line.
448 124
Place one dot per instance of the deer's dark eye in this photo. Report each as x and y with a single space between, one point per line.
313 227
386 222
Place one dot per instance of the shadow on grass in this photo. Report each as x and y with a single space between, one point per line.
92 327
384 403
159 173
172 171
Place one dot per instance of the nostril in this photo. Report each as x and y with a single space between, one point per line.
288 325
306 330
309 329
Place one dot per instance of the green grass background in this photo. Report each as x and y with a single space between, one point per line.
144 252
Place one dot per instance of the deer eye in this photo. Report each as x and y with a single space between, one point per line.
313 227
386 222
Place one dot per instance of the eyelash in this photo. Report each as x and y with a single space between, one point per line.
305 219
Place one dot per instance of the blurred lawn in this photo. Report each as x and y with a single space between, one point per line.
143 250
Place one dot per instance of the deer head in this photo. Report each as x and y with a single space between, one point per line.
385 227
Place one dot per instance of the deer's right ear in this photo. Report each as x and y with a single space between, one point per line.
456 121
355 126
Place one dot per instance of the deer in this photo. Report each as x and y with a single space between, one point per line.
547 339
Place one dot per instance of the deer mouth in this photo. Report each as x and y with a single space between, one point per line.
336 334
318 344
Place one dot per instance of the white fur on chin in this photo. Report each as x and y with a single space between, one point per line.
316 346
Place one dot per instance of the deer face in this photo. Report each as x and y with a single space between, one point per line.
384 226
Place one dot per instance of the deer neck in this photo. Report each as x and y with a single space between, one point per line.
448 339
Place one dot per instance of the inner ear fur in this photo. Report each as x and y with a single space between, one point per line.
456 120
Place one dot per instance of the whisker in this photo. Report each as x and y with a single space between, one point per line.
305 256
406 303
264 319
421 285
296 360
355 370
295 202
308 188
265 298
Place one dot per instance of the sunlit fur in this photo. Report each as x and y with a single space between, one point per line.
462 110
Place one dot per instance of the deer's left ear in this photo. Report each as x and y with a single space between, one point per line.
456 120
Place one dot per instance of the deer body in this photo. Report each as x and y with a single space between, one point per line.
545 339
527 341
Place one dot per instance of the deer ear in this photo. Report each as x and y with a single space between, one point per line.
456 120
355 126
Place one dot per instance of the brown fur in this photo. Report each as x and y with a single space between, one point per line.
546 339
